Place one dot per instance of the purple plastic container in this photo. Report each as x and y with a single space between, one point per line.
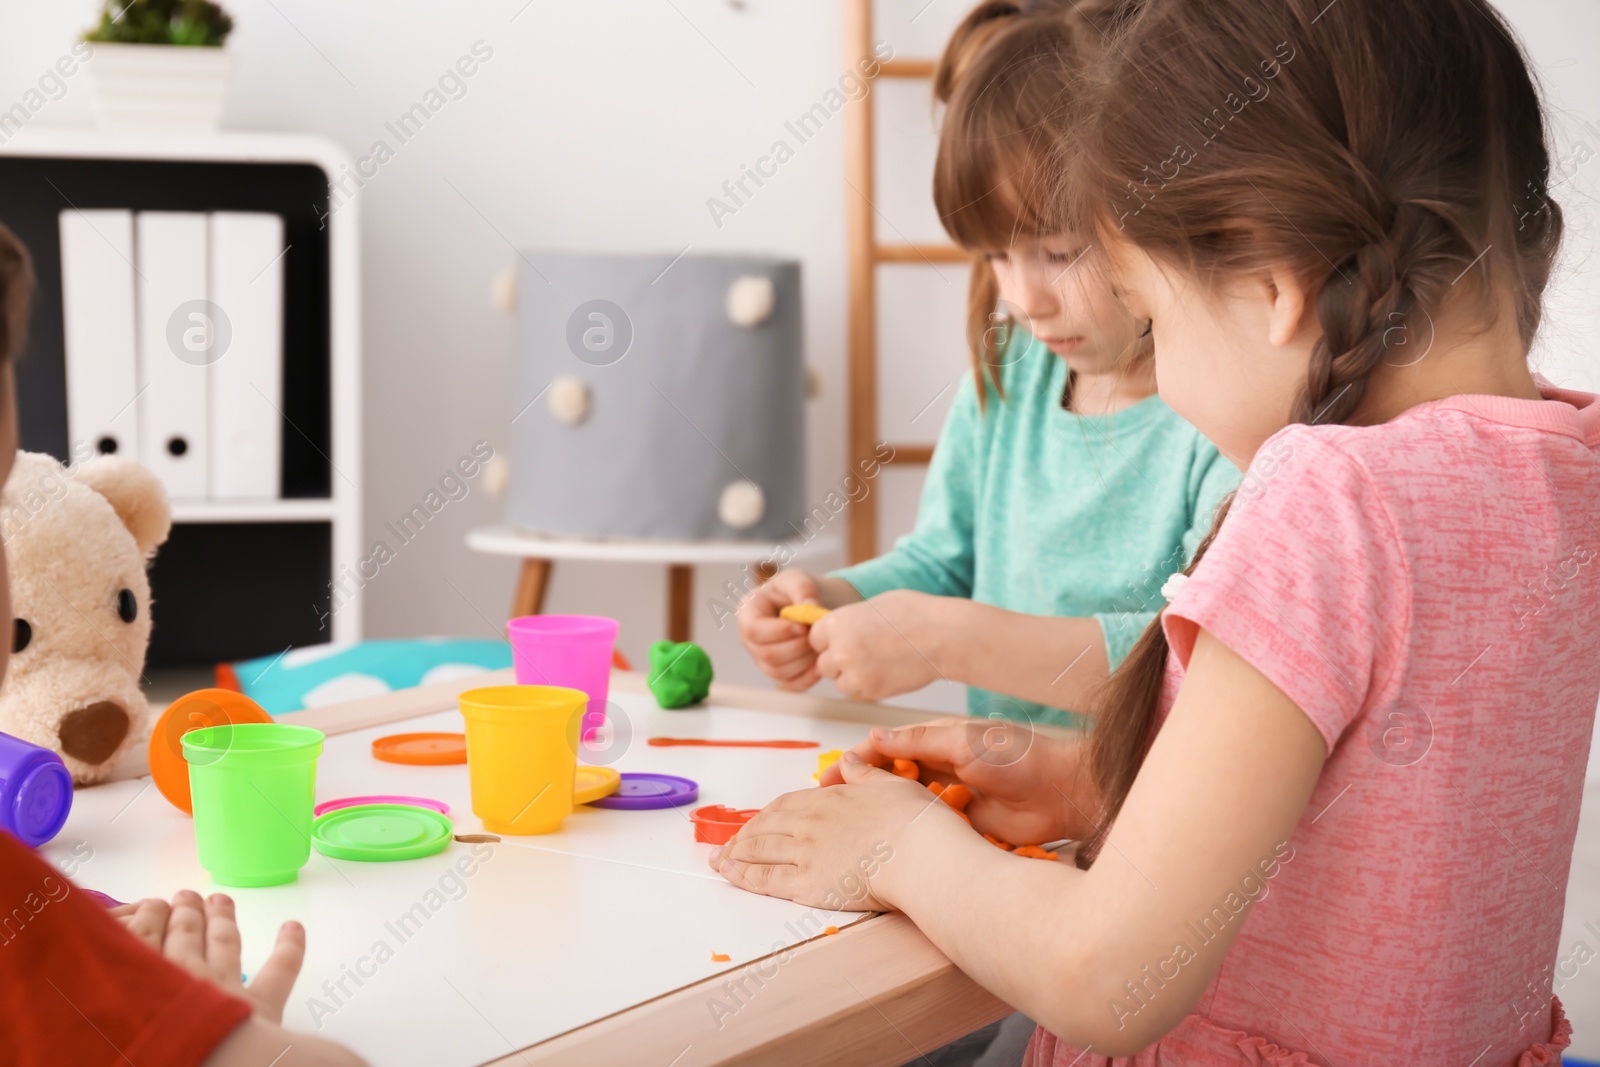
35 791
573 651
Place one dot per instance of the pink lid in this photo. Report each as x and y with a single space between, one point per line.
350 802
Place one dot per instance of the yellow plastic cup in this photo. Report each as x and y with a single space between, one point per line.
522 755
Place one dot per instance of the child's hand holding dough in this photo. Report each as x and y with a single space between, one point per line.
1028 783
781 646
885 646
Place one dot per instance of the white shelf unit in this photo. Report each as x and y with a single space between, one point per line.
341 510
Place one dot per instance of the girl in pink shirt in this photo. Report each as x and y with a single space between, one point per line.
1328 804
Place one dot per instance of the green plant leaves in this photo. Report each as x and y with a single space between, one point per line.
195 23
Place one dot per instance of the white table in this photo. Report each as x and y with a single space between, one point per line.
590 945
538 553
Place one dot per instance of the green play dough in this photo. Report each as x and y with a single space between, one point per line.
680 674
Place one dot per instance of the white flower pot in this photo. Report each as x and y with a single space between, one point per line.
159 86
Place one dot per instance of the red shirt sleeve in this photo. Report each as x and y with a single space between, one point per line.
75 987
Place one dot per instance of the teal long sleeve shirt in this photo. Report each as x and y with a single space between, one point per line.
1037 510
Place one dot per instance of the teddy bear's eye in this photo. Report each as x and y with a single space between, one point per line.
21 634
127 605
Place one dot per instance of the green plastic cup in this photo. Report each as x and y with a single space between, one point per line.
253 785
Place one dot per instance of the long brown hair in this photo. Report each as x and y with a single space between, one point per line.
1006 81
16 293
1383 176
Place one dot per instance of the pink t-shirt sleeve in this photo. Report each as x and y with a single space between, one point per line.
1306 581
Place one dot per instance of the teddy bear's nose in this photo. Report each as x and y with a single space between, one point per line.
93 733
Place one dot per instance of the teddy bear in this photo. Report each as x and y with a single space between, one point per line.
77 542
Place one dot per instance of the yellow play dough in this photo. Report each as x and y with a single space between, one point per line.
804 614
825 760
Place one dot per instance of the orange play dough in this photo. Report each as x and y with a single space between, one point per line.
958 796
1033 852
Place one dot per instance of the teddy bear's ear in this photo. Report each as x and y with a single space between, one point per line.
135 495
29 469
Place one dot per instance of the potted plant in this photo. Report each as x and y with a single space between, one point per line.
160 64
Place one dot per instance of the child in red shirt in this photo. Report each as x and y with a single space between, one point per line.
76 984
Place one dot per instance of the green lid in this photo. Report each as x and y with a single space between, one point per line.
381 832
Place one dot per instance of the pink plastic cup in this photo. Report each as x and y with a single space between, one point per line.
566 650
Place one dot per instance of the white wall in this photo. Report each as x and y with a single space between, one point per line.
1559 34
606 125
597 126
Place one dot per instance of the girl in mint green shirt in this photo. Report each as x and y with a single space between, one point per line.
1042 541
1062 492
1048 515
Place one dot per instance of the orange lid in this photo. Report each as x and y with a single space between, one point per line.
421 748
203 707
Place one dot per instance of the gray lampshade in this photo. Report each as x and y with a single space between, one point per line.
643 409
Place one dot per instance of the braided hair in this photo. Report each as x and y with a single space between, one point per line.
1386 180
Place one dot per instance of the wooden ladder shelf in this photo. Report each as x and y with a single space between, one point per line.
865 255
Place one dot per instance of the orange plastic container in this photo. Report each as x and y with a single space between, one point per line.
715 824
190 712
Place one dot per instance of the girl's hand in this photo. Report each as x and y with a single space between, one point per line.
780 647
884 646
202 937
1029 784
835 848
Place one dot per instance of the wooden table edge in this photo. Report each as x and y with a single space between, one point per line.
878 993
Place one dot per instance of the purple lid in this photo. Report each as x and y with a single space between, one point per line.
101 898
41 800
642 792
